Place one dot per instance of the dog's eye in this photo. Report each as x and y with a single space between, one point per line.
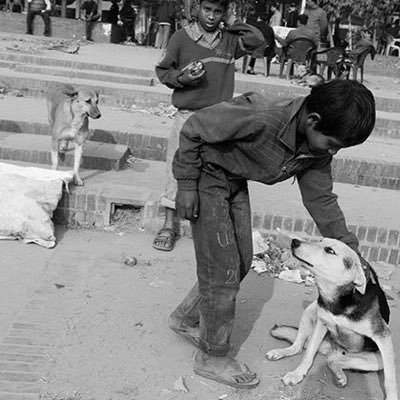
88 101
329 250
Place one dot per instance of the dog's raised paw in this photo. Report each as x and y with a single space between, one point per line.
78 181
340 379
292 378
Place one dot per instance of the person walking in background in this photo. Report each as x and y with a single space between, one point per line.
292 15
165 18
38 7
196 88
91 15
317 21
276 16
127 15
268 47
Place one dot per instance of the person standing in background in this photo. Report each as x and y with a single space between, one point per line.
292 15
317 21
38 7
276 16
127 15
165 18
216 49
91 15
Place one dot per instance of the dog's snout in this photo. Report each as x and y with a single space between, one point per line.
295 244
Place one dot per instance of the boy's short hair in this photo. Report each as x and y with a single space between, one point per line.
302 18
223 3
347 110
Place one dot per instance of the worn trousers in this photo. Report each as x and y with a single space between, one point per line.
30 16
223 248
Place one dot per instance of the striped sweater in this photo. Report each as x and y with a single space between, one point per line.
219 62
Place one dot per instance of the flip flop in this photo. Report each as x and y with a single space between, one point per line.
166 236
229 379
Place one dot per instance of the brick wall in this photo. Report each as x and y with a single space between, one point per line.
65 28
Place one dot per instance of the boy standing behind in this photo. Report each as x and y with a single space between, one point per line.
217 49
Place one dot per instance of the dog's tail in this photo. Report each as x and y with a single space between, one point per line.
284 332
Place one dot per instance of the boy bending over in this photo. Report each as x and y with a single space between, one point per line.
217 49
247 138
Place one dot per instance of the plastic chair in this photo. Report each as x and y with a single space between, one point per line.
266 61
393 44
358 59
327 58
296 52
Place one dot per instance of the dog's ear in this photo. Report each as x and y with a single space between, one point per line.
69 91
360 279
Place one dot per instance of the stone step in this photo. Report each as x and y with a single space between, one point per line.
36 149
112 94
376 221
375 163
79 73
274 87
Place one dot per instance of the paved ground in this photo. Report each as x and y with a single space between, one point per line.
76 323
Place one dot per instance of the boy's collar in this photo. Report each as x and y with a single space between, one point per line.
288 133
196 33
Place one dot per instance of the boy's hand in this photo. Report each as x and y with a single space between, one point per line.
190 79
187 204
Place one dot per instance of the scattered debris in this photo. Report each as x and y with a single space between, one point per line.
130 261
222 397
158 283
179 385
161 110
59 285
291 275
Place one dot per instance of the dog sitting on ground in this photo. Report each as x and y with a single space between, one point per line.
69 110
348 322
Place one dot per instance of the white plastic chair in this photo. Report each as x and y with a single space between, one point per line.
394 44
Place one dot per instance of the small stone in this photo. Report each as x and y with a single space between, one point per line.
130 261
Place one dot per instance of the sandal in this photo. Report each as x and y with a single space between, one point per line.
232 378
165 239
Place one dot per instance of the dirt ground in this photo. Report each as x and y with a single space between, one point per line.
105 322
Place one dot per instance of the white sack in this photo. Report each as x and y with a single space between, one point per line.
28 198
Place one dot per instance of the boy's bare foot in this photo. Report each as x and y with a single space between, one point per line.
225 370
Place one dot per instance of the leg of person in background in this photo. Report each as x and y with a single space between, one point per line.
251 66
30 16
46 20
166 237
165 36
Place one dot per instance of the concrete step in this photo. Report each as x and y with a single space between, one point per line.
79 73
375 163
272 87
111 94
36 149
376 221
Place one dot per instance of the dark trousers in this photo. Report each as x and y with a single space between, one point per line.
223 247
89 26
31 16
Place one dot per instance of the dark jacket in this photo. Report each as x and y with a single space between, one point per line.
252 139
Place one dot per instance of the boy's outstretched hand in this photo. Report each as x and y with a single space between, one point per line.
187 204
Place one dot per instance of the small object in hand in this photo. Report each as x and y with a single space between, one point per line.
130 261
196 68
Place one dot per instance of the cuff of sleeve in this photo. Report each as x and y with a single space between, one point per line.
187 184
